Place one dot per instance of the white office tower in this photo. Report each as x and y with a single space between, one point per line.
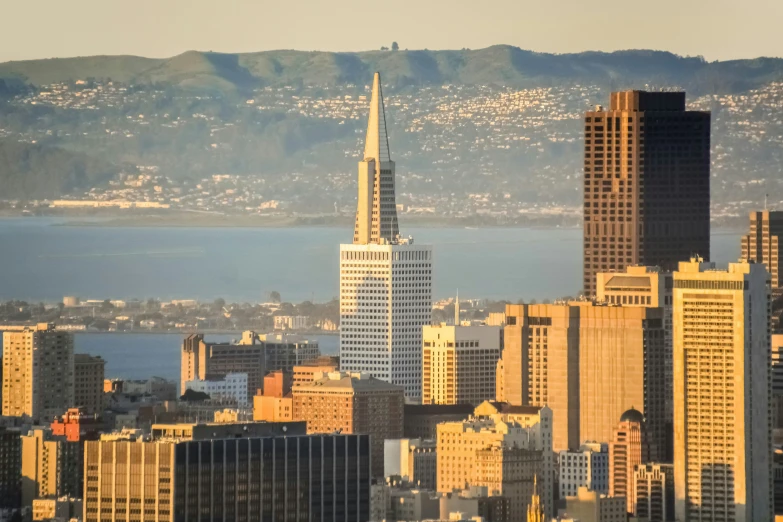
385 280
722 446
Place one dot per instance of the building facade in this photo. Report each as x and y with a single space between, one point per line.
201 360
10 468
385 280
231 387
412 460
51 466
653 493
589 363
762 244
284 351
280 476
586 467
88 374
38 378
591 506
646 183
309 371
421 421
722 433
777 381
345 402
627 450
459 364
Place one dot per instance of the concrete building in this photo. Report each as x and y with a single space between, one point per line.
201 359
385 280
275 403
653 493
763 243
722 446
472 503
283 351
591 506
308 371
413 460
649 287
291 322
646 183
407 503
627 450
231 387
88 373
421 421
588 467
499 453
37 372
57 509
51 466
345 402
459 364
589 363
304 477
10 470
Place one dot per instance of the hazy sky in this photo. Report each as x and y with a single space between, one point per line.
717 29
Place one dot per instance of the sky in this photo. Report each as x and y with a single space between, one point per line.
715 29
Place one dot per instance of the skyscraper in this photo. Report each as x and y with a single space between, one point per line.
202 360
385 280
722 446
626 451
37 373
646 183
88 373
763 244
589 363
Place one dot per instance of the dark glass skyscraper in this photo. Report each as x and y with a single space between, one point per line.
646 184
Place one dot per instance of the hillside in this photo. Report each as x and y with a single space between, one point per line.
31 171
497 65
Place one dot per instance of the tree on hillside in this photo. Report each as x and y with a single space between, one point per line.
274 296
194 396
395 46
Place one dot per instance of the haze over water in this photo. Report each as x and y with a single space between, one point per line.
42 262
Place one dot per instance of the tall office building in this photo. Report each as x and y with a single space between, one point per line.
51 466
203 360
37 373
626 451
459 364
777 381
590 364
649 287
763 243
344 402
385 280
88 374
240 472
722 446
653 493
646 183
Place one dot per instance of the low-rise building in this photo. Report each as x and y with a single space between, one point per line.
231 387
586 467
591 506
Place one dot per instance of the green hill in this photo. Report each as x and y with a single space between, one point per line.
500 64
34 171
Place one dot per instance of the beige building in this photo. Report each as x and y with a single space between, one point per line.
307 372
56 509
777 381
722 434
626 451
763 243
51 466
88 373
459 364
590 364
649 287
591 506
38 379
412 460
275 403
653 493
345 402
202 360
493 450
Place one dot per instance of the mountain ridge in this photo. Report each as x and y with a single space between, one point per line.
498 64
